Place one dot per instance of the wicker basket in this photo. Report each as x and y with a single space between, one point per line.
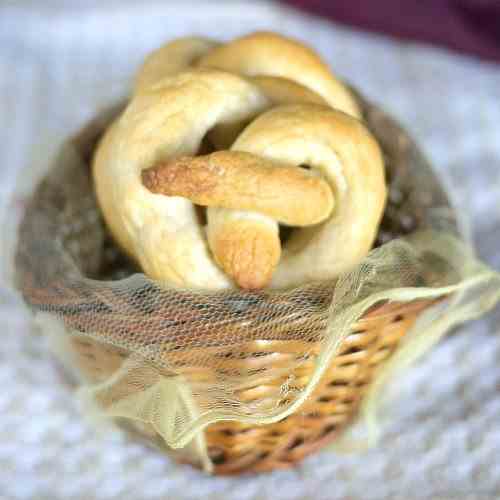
233 447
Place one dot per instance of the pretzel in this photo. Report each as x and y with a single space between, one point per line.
269 105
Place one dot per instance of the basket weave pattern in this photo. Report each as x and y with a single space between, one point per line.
235 447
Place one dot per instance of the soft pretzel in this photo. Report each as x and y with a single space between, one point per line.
148 177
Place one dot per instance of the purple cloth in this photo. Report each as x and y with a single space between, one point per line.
468 26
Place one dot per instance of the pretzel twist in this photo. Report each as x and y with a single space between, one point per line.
269 105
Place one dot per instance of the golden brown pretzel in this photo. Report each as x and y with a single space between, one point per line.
253 185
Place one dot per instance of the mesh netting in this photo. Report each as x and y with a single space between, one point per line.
172 362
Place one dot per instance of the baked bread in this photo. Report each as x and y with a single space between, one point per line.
268 106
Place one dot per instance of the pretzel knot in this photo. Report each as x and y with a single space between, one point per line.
268 106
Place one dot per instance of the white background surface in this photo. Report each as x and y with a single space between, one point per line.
59 62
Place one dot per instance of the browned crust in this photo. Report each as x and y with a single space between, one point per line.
247 251
243 181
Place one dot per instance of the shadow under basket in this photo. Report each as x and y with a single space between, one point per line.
72 245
